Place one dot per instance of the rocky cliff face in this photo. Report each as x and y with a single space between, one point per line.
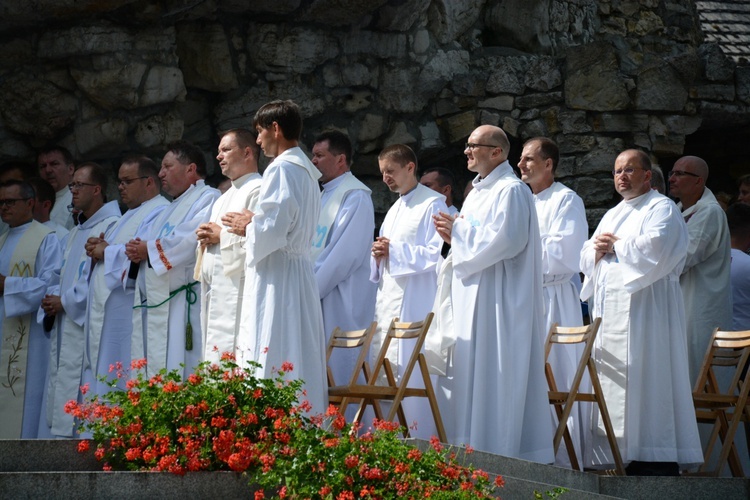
107 77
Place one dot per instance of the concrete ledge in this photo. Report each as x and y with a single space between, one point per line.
123 485
53 469
40 455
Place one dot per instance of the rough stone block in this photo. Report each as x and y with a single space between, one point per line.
713 92
626 122
101 138
205 58
501 103
112 88
593 79
458 127
660 89
163 85
538 100
298 50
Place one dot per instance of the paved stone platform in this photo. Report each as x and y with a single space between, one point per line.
55 470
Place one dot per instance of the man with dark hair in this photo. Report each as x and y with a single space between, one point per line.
166 324
441 180
45 201
496 351
56 166
403 264
30 258
657 179
68 303
281 317
221 255
12 170
632 266
738 219
341 246
743 186
563 230
705 277
108 303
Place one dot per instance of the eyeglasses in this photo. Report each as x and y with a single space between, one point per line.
472 146
128 182
626 171
75 186
682 173
11 201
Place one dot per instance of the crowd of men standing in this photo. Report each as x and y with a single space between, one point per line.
270 267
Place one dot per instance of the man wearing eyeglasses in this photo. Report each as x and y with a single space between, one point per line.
109 304
494 395
632 266
166 316
30 258
66 305
705 280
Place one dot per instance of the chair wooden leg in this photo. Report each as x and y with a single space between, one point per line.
396 408
601 403
432 399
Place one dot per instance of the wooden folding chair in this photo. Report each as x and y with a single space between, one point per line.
563 400
354 339
397 390
726 407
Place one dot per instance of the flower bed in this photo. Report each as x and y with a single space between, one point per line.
224 418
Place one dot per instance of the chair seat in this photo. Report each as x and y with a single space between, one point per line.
373 391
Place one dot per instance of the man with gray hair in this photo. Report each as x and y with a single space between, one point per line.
705 279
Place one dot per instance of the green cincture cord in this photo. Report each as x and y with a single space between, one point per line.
191 298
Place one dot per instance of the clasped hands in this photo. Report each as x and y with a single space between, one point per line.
236 222
604 243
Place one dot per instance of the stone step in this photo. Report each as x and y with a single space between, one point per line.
637 488
54 469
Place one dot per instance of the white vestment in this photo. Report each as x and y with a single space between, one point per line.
740 290
23 293
494 396
705 278
407 282
169 271
60 231
66 354
109 319
453 210
563 230
641 350
281 316
342 270
60 213
222 272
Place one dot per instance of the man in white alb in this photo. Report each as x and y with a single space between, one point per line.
109 319
166 316
30 257
220 266
632 266
281 317
67 304
705 278
341 245
403 264
494 395
563 230
56 167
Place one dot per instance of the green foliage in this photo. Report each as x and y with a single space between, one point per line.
224 418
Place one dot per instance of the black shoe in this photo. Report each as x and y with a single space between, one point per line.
638 468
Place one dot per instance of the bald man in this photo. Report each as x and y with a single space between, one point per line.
705 279
493 395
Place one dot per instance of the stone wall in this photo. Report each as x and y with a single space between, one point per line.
108 77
